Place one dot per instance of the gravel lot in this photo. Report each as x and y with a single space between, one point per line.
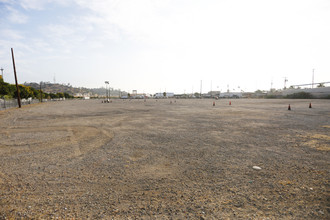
166 159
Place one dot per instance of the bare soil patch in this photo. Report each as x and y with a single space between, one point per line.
166 159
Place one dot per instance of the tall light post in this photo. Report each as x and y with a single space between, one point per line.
106 89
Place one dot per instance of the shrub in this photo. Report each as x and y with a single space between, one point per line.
300 95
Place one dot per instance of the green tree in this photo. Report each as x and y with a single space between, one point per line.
24 92
4 88
60 94
36 93
67 95
53 96
45 95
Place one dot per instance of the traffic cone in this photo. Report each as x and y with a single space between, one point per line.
310 105
213 103
289 107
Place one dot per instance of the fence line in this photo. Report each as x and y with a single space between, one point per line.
12 103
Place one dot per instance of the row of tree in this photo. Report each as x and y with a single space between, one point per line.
9 91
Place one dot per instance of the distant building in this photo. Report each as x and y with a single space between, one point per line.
214 93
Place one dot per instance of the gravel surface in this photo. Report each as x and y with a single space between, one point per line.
166 159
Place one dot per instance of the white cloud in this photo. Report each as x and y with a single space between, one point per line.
41 4
16 16
11 34
33 4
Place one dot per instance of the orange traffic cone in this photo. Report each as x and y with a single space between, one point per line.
289 107
213 103
310 105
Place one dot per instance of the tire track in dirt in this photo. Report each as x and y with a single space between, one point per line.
78 140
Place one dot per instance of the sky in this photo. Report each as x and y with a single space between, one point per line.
175 46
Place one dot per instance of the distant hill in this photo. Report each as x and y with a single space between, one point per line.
56 87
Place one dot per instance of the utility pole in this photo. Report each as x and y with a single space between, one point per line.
18 95
313 80
271 85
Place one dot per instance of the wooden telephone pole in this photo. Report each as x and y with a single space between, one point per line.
18 95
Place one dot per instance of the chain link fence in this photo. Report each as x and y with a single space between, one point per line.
12 103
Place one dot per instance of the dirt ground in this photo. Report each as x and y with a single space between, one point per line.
166 159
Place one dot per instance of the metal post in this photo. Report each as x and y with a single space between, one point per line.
40 93
18 95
